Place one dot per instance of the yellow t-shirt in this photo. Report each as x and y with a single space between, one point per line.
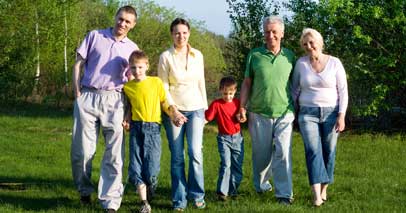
145 98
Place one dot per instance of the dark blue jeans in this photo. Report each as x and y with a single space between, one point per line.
145 153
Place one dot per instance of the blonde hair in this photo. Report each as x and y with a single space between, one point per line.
313 33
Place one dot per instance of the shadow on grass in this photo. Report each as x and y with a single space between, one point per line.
33 194
34 110
35 204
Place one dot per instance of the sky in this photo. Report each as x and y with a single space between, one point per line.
212 12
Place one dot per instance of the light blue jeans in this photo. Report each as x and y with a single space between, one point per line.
320 140
193 187
272 153
145 153
231 149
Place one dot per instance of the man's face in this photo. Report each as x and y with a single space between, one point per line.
124 22
273 34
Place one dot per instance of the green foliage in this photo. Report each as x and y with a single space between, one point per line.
19 49
368 36
246 18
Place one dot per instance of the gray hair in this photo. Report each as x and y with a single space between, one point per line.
313 33
272 20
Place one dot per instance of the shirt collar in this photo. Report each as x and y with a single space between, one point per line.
265 50
191 50
109 33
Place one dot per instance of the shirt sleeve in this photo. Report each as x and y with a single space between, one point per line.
247 73
163 74
211 112
202 83
84 47
342 88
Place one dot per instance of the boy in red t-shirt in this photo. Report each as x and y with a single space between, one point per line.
229 139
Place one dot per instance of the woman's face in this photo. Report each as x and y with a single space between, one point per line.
311 46
180 35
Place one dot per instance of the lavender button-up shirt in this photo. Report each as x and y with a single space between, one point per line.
106 60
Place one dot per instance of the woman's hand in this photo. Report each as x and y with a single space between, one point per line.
340 123
178 119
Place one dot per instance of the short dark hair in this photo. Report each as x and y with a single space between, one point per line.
179 21
128 9
137 55
227 81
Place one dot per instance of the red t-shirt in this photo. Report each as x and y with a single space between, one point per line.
224 113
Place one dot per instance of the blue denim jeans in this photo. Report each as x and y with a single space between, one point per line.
272 153
317 126
145 153
231 149
193 187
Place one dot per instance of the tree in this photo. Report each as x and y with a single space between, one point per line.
368 36
246 18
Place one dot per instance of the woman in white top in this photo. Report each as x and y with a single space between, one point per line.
319 88
181 69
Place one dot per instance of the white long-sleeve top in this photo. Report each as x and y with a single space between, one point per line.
183 80
327 88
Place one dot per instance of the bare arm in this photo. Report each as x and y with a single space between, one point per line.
77 67
245 91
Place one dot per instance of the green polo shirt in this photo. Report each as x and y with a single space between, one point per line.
270 90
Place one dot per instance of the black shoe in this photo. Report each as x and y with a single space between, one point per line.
285 201
85 200
111 211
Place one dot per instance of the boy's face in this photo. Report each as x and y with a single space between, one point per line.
139 69
228 93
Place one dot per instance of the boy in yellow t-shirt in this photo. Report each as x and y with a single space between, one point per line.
146 95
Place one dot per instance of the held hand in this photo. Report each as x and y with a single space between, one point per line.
178 119
240 118
242 115
126 125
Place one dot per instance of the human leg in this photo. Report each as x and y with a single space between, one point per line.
152 156
111 188
136 151
329 145
237 158
223 181
261 137
282 156
84 139
317 200
175 137
329 138
194 136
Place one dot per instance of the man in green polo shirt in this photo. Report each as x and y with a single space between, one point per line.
265 94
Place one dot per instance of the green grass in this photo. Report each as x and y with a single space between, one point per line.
35 163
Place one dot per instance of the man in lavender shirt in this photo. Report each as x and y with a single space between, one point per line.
99 105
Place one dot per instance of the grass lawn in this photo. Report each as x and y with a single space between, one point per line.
35 173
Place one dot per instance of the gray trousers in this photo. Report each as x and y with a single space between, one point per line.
272 153
95 110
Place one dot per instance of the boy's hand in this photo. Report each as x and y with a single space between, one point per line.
126 125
